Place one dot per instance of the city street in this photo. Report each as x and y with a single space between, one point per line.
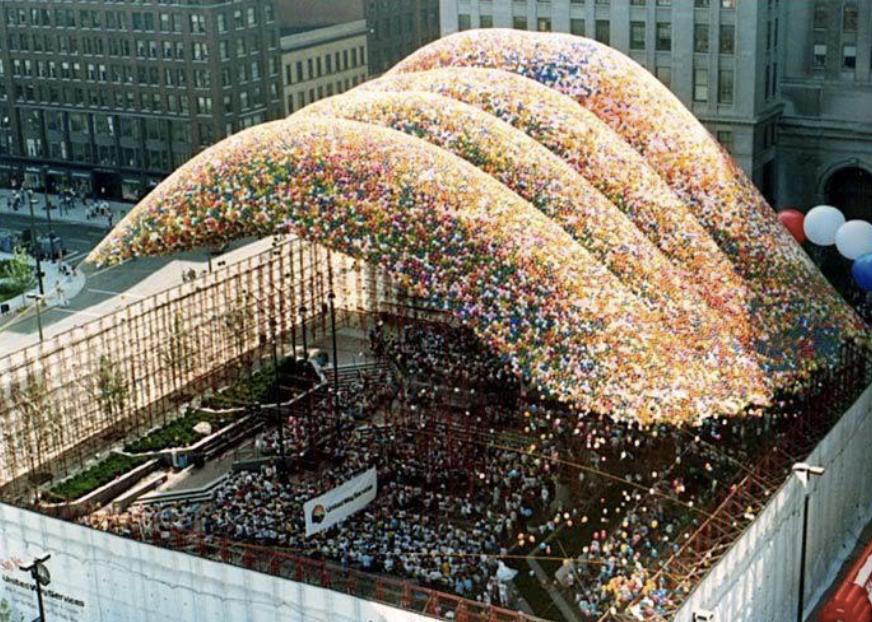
101 285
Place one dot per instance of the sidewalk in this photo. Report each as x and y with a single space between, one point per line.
79 214
59 288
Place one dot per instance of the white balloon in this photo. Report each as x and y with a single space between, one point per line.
822 223
854 239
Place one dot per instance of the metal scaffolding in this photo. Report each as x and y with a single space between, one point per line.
82 391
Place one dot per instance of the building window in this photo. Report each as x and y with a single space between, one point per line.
701 38
635 3
222 23
637 35
603 31
849 18
198 24
664 74
664 2
726 86
543 24
849 57
701 4
576 26
204 105
821 16
728 4
727 39
519 22
725 137
700 85
464 21
664 37
820 55
486 21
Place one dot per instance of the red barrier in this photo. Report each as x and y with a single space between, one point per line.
852 602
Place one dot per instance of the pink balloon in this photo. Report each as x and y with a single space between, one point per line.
793 221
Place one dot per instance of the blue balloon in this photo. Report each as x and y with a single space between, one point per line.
862 271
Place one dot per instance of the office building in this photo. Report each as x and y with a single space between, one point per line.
825 133
321 62
397 28
111 96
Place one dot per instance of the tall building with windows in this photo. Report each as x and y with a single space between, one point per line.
720 57
321 62
110 96
825 136
397 28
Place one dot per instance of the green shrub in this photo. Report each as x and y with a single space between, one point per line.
177 433
98 475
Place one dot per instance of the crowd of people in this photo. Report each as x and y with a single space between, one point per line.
463 487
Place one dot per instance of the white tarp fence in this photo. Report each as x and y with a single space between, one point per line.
758 579
337 504
98 577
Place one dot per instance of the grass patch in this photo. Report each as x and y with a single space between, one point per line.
97 476
178 433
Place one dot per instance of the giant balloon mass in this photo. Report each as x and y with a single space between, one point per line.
554 197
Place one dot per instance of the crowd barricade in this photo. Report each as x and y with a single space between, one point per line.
852 601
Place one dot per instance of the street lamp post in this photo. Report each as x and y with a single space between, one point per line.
35 243
38 298
42 578
803 472
283 456
48 210
332 297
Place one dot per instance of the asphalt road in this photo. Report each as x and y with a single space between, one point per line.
79 239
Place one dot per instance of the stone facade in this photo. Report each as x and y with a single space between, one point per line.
322 62
110 97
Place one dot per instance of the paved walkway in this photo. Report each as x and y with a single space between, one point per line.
158 281
60 283
78 214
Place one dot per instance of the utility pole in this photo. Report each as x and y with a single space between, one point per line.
42 578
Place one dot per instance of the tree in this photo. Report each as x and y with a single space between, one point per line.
111 389
177 354
31 401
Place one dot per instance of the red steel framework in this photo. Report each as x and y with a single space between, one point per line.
831 395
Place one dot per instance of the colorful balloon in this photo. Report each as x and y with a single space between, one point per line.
822 223
854 239
793 221
862 272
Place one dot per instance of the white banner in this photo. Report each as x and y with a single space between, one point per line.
335 505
